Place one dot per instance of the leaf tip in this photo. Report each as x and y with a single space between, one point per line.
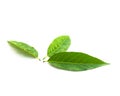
106 63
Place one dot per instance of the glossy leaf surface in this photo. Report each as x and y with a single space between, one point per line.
25 48
60 44
75 61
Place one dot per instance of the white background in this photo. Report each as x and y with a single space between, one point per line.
93 26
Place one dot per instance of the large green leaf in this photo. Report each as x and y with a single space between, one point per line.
24 48
60 44
75 61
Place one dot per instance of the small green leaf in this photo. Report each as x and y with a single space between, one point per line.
75 61
24 48
60 44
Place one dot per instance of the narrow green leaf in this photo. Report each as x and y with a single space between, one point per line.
24 48
75 61
60 44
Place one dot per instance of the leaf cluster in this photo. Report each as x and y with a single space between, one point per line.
59 57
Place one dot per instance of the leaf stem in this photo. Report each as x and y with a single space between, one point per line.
45 59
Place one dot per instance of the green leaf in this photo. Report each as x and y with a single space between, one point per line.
24 48
60 44
75 61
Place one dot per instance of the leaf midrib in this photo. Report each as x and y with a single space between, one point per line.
74 63
56 51
22 49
